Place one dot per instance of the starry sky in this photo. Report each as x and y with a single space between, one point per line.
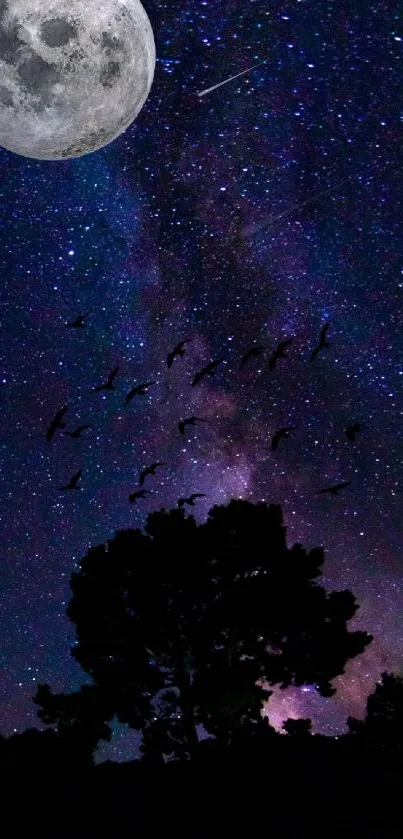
247 216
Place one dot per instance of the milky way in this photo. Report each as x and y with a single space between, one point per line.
146 234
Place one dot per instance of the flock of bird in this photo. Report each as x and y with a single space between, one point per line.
141 390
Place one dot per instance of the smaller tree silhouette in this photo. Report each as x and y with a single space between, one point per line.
298 728
383 724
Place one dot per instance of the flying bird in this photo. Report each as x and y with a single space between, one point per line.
322 342
334 490
78 323
279 353
214 87
78 431
141 493
252 353
282 432
206 371
189 421
73 481
191 499
56 423
141 390
108 384
352 430
177 351
150 470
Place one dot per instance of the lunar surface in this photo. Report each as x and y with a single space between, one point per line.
74 74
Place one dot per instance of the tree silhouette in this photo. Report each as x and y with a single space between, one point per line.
383 724
183 624
298 728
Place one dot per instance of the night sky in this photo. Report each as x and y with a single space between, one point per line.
248 216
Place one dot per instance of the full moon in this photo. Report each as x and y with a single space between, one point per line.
74 74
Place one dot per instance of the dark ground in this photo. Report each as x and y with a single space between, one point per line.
291 791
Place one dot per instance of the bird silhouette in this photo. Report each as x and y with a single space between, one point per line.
282 432
78 431
352 430
189 421
108 384
177 351
191 499
56 423
322 342
141 390
334 490
252 353
150 470
141 493
78 323
73 481
279 353
206 371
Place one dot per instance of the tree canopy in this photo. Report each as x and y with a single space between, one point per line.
186 624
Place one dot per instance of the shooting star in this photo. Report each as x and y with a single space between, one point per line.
251 229
214 87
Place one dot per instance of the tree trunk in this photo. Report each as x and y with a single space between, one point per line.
187 711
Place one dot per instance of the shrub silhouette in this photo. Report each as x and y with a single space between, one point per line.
182 625
80 718
35 753
298 728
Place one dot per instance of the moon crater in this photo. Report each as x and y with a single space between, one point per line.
58 32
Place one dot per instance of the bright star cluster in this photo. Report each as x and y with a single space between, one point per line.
257 213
